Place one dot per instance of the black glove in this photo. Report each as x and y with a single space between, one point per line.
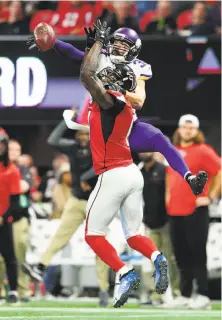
31 43
102 32
116 87
90 37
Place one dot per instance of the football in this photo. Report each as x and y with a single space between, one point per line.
44 36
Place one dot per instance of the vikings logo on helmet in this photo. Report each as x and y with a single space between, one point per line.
122 75
128 47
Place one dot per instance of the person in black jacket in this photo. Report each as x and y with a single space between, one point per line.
79 153
9 198
155 217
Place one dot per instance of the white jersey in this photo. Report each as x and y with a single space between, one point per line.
141 69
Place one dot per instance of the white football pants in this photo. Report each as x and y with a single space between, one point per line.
117 188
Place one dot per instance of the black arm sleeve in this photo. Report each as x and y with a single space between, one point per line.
55 139
14 204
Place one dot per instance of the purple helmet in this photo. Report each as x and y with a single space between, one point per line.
128 50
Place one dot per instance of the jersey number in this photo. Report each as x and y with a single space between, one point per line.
139 62
71 19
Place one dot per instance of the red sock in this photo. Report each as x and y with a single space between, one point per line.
105 251
142 244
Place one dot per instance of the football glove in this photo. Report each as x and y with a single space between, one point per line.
102 32
90 37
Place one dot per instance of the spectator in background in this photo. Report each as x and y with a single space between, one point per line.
9 190
143 6
49 180
21 219
178 6
189 220
121 16
4 11
156 219
200 25
17 22
73 16
161 21
62 191
214 14
25 160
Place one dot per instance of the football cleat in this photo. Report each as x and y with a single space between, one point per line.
128 282
34 272
161 277
197 182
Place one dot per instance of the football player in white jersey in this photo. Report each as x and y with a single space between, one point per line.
124 47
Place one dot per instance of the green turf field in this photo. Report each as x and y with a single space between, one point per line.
86 311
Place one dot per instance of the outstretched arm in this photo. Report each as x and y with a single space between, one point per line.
46 40
66 49
88 70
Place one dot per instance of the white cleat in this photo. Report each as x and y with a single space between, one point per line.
200 302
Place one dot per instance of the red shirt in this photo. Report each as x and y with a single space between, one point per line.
198 157
9 184
72 19
109 130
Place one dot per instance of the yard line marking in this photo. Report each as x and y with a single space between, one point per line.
110 311
101 316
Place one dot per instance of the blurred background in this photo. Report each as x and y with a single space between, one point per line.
182 42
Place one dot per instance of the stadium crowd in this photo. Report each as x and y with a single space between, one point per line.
146 17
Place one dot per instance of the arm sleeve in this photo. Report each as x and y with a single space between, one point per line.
14 205
67 50
55 139
211 160
89 174
15 182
